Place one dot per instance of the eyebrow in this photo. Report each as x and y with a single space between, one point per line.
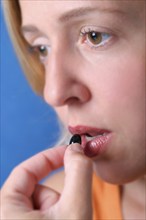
82 11
29 29
73 14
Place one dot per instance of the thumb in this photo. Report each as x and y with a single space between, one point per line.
78 182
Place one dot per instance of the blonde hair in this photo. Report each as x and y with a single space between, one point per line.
33 70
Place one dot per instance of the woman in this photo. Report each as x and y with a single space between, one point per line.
87 58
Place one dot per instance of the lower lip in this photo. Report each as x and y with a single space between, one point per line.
96 146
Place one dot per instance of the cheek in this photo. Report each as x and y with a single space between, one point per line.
118 88
124 97
127 85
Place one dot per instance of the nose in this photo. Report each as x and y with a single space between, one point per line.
63 85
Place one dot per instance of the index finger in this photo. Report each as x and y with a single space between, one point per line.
26 175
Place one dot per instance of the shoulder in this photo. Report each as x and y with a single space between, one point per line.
56 181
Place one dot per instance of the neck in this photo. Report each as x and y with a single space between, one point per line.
133 199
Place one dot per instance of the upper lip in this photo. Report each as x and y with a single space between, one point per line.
86 130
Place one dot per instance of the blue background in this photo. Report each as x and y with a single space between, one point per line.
28 125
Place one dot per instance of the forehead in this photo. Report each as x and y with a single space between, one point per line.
54 8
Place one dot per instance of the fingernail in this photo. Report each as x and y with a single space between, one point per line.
76 138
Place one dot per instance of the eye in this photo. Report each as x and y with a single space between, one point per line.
41 51
94 38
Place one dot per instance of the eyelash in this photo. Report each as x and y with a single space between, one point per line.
86 33
102 38
36 50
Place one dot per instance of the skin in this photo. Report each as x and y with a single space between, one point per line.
107 82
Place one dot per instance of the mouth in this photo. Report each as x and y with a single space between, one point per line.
94 140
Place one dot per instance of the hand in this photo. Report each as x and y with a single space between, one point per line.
22 197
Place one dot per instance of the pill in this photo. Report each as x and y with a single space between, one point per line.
76 138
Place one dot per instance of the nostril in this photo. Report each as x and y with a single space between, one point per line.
72 100
59 91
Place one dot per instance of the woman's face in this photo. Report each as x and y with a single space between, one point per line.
93 53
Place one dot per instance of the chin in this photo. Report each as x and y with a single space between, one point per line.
118 175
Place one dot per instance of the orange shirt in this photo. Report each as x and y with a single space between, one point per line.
106 200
